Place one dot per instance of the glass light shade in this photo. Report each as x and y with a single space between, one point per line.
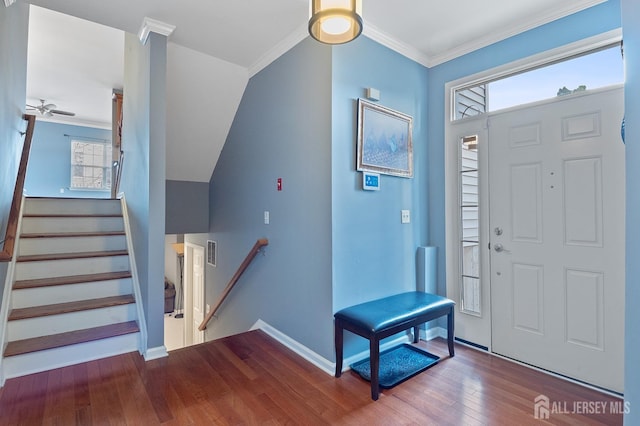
335 21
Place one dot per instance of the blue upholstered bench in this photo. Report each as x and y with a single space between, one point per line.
384 317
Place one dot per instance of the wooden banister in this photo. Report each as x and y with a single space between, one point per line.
243 266
14 213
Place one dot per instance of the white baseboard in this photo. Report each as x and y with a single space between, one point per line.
323 363
306 353
433 332
155 353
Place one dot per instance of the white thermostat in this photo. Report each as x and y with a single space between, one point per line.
370 181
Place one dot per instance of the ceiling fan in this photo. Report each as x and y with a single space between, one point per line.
48 110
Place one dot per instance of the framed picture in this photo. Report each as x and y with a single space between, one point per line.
384 140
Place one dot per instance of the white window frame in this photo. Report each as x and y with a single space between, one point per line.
106 168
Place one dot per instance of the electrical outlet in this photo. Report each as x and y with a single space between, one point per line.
405 216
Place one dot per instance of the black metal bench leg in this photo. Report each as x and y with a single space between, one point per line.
416 334
339 331
374 361
450 332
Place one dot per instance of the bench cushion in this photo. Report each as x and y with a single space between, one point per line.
383 313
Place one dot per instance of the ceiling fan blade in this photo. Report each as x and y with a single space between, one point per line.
60 112
50 106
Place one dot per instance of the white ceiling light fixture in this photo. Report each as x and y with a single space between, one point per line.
335 21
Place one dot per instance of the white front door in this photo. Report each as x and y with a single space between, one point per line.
557 181
198 293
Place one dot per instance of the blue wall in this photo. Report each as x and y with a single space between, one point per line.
595 20
631 33
187 207
282 130
50 160
143 172
373 252
331 244
14 24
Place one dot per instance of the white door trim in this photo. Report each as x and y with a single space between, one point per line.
452 232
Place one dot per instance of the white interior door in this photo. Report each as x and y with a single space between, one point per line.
556 174
198 293
193 293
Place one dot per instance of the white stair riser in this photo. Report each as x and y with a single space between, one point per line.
55 324
30 246
40 225
24 298
21 365
71 206
67 267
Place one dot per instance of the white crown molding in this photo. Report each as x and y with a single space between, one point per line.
507 32
150 25
279 49
372 32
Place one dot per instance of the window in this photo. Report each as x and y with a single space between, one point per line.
470 295
592 70
90 165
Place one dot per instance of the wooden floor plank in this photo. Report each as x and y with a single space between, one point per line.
251 379
63 308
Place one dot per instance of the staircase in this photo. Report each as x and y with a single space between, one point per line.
72 298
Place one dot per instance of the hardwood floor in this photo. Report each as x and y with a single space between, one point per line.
252 379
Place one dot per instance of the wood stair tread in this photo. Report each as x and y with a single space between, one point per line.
71 215
72 279
63 308
64 256
34 344
73 234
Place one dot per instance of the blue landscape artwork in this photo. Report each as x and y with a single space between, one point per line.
384 140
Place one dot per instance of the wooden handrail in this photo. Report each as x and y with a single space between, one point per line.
14 213
243 266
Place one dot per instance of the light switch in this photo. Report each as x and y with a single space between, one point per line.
266 217
405 216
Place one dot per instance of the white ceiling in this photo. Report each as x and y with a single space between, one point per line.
78 72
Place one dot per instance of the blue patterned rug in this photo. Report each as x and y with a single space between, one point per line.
397 364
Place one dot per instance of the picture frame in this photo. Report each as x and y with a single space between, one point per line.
385 140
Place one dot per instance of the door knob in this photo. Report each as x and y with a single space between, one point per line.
499 248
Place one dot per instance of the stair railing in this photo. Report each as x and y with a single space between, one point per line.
243 266
14 213
116 174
